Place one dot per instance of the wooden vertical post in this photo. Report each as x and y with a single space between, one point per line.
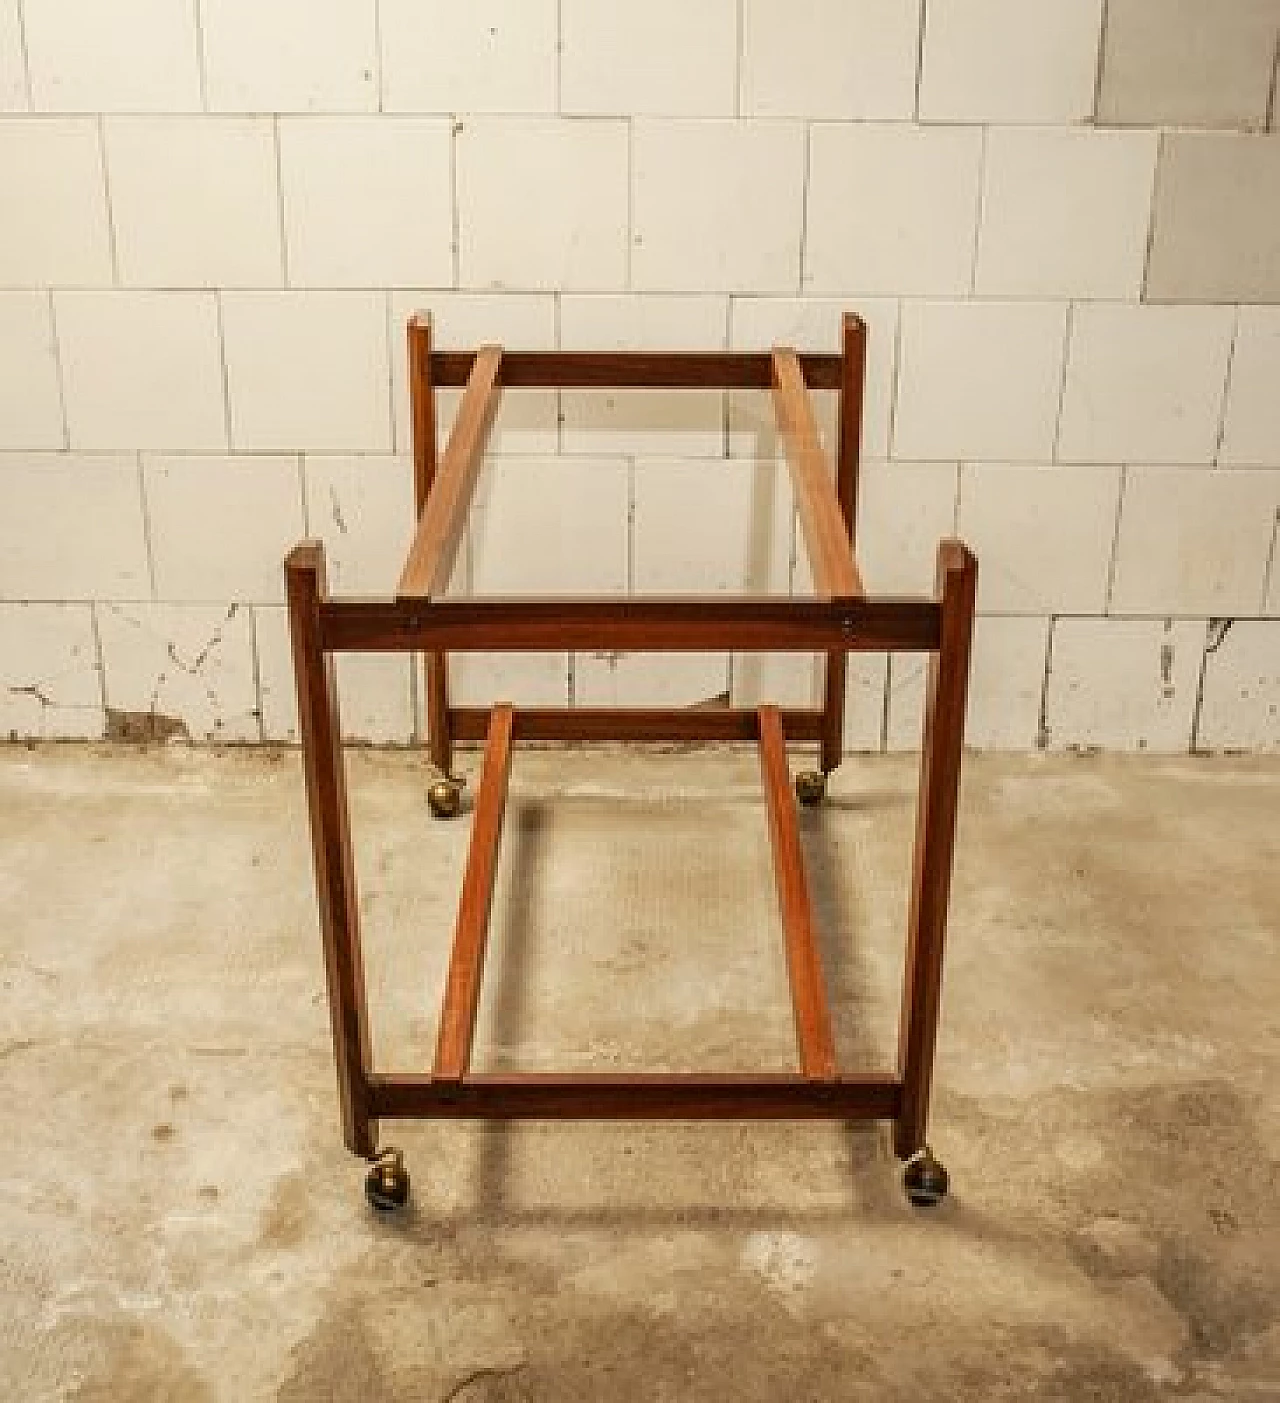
848 452
941 751
422 400
306 587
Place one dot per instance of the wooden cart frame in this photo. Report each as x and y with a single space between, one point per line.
838 619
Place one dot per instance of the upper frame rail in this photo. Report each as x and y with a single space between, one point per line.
826 535
662 370
685 624
430 560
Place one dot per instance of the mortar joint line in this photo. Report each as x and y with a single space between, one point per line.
59 373
455 235
1145 288
1068 331
224 371
112 242
20 9
1104 20
1114 555
280 219
807 161
96 630
980 211
378 67
144 508
202 71
915 113
1221 435
1042 720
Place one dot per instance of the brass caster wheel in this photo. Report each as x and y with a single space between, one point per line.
811 786
925 1179
386 1185
445 798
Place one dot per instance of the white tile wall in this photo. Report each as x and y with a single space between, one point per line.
979 380
850 59
740 545
218 215
277 692
50 685
1251 433
663 57
1065 212
904 701
523 679
550 526
396 172
650 679
290 55
13 71
562 184
362 509
55 212
486 56
190 663
128 56
141 369
812 324
30 397
891 208
1009 61
194 201
716 206
904 510
686 423
1144 384
1123 683
1042 536
1240 701
1194 542
72 527
250 514
307 370
1006 681
526 419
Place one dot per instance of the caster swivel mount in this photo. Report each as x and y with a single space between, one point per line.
925 1179
386 1185
811 787
445 797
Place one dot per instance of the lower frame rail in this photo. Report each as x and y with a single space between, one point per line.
635 1096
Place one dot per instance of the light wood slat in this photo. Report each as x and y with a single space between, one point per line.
426 571
835 576
466 965
804 964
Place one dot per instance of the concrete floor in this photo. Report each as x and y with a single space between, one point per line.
178 1220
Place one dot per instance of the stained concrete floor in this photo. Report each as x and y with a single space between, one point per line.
178 1220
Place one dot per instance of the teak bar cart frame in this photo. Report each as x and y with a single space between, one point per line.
838 619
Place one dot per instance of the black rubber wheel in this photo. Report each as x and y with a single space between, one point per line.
925 1179
811 787
386 1185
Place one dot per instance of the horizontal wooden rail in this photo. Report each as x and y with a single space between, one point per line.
635 1096
804 964
673 370
826 535
635 723
466 964
629 625
430 560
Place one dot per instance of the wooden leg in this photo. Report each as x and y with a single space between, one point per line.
853 362
306 588
422 399
941 752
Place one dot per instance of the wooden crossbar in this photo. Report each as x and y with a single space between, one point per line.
804 964
587 723
430 560
660 370
826 535
466 965
635 1096
630 625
